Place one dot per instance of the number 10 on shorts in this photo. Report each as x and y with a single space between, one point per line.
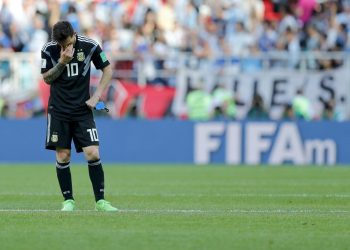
93 134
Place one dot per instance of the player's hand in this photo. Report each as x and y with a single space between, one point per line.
66 54
91 103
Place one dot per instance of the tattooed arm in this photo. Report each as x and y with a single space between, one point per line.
66 57
53 73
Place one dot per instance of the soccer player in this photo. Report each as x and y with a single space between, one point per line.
65 66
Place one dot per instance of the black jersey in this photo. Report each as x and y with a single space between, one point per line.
70 91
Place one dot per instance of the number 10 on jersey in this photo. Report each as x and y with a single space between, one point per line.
72 69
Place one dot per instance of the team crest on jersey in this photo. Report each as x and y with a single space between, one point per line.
54 138
80 56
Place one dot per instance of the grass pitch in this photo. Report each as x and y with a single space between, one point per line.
179 207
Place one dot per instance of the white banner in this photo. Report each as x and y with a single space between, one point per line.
276 86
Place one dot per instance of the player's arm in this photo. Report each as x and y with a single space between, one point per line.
66 56
101 62
53 73
104 83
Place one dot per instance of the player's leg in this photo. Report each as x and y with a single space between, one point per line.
64 177
95 171
59 138
96 174
86 139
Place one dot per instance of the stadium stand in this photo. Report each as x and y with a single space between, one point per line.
153 42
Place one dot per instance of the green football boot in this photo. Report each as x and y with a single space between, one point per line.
68 205
103 205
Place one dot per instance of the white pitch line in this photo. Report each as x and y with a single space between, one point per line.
193 211
28 210
295 195
231 211
301 195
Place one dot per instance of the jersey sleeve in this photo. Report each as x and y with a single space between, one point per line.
46 62
99 58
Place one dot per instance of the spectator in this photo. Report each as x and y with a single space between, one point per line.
257 109
313 38
331 111
268 38
328 111
288 21
5 41
240 40
288 113
305 9
344 16
199 104
166 16
18 38
2 105
38 35
224 103
188 17
289 41
301 106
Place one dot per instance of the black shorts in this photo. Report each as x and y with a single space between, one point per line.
60 133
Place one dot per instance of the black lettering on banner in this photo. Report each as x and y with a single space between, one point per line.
255 87
278 90
236 84
189 81
326 86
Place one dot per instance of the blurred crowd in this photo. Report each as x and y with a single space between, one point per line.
206 28
220 104
152 31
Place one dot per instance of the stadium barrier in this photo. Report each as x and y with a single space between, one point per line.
172 141
268 74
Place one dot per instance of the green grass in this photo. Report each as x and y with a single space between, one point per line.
179 207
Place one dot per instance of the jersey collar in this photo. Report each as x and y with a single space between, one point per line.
76 45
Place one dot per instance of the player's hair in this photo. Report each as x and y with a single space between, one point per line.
61 30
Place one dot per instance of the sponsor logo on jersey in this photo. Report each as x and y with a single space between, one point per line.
80 56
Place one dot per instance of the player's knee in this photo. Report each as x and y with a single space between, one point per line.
92 153
63 155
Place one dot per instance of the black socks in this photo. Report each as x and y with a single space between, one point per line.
65 180
97 178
